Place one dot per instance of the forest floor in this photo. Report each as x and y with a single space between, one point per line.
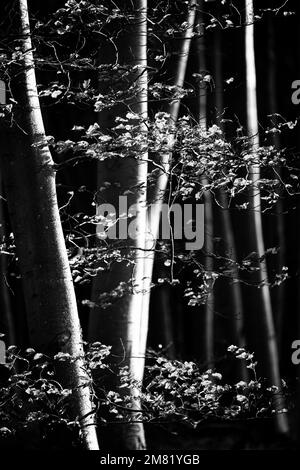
258 435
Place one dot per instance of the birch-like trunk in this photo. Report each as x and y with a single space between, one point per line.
164 162
122 325
256 218
29 177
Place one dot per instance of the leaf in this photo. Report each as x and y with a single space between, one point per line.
56 93
86 84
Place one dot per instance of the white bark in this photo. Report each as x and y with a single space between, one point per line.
164 161
255 204
29 177
122 325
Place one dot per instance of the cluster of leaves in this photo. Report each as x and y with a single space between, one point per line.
35 408
90 25
201 160
82 15
184 270
181 392
67 43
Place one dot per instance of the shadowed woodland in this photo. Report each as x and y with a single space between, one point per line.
122 124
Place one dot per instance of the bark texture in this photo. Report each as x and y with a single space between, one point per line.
123 325
256 218
29 176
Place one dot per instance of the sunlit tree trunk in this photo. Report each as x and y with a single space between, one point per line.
208 203
157 197
228 233
256 218
29 178
123 325
161 185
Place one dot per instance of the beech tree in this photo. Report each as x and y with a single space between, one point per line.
123 325
29 177
129 108
129 329
256 218
157 196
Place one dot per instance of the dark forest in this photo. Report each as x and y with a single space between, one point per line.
149 225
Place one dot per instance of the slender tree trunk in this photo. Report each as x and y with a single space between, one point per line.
114 321
229 237
208 203
123 325
256 218
29 177
164 160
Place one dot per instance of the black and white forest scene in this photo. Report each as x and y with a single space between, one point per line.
150 228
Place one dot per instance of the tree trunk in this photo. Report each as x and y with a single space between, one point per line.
235 292
29 177
208 203
256 218
123 325
157 198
